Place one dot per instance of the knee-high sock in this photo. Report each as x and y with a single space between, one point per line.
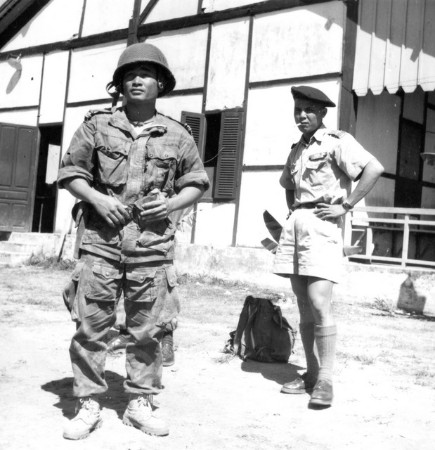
325 341
307 337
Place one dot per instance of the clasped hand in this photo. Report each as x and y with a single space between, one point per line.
116 214
155 210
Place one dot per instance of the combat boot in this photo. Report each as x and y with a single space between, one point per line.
87 419
168 349
118 342
139 414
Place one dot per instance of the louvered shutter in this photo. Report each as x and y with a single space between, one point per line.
229 153
197 124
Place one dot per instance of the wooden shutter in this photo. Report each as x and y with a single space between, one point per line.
229 155
197 124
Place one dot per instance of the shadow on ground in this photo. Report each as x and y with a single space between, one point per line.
115 398
279 372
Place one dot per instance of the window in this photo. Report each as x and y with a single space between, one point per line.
218 137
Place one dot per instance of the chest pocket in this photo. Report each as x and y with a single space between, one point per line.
112 154
160 167
316 169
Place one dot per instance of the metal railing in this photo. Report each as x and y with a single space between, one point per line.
405 221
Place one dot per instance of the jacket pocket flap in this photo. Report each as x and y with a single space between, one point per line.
141 275
106 272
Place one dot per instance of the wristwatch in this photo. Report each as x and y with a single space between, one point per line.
346 206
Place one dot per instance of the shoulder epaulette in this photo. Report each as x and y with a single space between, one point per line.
94 112
184 125
338 134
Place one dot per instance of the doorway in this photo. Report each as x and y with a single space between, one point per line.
46 188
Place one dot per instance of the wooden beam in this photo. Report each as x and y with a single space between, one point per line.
348 99
146 12
134 23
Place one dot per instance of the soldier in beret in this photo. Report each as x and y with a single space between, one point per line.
317 179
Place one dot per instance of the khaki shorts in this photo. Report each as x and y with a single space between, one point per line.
310 246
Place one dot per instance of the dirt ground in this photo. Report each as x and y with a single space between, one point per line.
384 378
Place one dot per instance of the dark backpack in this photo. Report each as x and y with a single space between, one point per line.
262 334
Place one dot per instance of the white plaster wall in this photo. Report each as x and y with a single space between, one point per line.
214 224
377 127
91 69
260 191
298 42
216 5
53 87
106 15
173 106
65 201
21 88
59 20
28 117
270 127
429 146
185 51
227 69
170 9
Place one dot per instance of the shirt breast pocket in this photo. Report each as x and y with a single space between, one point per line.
316 169
112 163
161 164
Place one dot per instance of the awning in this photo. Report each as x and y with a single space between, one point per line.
395 46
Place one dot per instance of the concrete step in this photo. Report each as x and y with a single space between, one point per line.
18 247
13 258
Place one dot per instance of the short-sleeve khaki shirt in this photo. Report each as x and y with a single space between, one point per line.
323 169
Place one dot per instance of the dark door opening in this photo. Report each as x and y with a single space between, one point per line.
46 188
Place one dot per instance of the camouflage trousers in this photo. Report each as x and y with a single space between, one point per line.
151 307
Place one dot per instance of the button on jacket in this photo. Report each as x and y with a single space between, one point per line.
323 169
107 153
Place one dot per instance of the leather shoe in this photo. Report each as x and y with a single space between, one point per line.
322 394
300 385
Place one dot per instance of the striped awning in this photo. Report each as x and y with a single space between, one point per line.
395 46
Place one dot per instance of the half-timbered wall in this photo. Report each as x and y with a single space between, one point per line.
245 64
59 20
106 15
53 87
20 82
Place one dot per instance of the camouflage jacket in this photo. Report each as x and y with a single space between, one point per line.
107 153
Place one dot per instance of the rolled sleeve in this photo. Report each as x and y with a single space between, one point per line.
351 157
78 160
286 179
190 171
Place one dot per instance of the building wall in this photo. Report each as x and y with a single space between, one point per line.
59 20
20 82
91 70
111 14
54 87
301 45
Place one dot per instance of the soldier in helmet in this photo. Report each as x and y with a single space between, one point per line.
317 179
132 169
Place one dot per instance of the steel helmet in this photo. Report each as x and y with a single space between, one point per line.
144 53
